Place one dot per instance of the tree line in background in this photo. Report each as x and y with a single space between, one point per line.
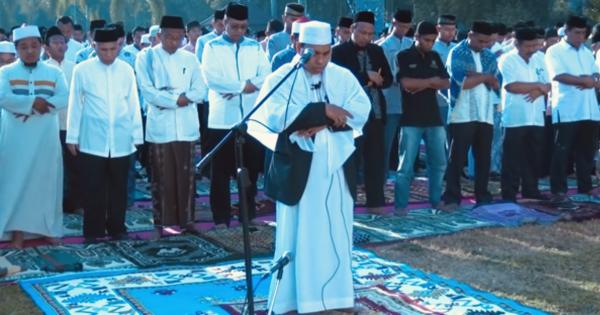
146 12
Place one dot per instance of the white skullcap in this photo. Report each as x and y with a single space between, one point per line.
315 33
26 31
296 27
561 31
7 47
146 39
154 30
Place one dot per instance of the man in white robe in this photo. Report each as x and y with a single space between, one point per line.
312 174
31 94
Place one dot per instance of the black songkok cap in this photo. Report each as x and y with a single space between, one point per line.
96 24
106 35
577 22
482 27
501 29
219 14
345 21
365 16
551 32
169 21
522 34
403 16
52 31
237 11
118 28
426 28
446 19
539 32
294 9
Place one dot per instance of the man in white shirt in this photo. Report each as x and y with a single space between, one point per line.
234 67
525 85
65 24
171 84
474 74
218 28
104 125
85 52
575 114
31 93
136 46
55 46
392 45
446 26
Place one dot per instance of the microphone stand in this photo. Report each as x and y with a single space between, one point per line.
243 180
272 303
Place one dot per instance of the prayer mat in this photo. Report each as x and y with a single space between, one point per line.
544 183
262 239
92 257
586 211
418 223
172 250
585 198
203 186
380 285
136 220
511 214
264 207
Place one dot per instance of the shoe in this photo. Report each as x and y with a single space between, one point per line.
401 212
537 196
447 207
560 201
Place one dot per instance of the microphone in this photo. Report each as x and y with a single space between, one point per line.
285 259
308 53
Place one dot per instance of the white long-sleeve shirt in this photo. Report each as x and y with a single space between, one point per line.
162 78
104 112
226 67
67 68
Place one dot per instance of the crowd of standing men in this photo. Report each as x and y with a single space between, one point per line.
520 102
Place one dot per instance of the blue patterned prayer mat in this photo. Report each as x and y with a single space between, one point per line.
381 286
511 214
92 257
418 223
136 220
173 250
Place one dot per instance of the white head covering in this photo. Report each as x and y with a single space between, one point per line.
7 47
296 27
154 30
315 33
146 39
25 32
561 31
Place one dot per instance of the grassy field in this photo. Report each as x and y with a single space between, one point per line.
555 267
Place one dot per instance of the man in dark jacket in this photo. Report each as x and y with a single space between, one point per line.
368 64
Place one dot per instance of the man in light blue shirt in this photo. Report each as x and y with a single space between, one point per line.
280 41
394 43
218 27
446 27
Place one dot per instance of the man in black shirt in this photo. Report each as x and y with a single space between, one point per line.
421 74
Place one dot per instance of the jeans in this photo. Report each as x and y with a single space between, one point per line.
435 146
392 126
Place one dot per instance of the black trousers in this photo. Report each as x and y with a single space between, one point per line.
522 161
71 182
105 191
203 120
477 135
370 148
223 168
580 137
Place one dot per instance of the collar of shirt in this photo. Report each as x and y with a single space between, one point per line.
229 40
441 42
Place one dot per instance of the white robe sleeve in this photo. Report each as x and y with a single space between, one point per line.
61 93
198 91
212 71
150 93
356 102
134 108
264 69
75 110
18 104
